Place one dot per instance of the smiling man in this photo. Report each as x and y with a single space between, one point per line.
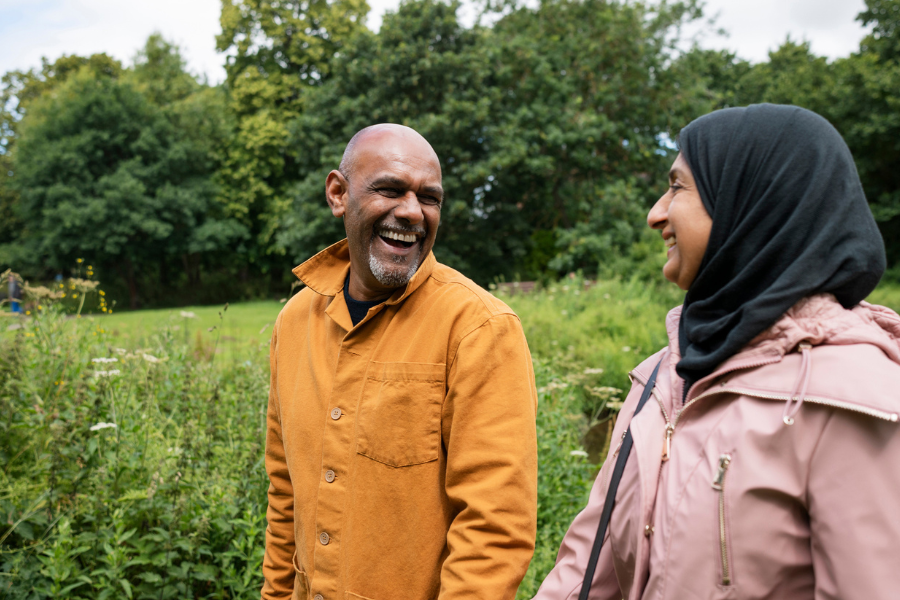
401 444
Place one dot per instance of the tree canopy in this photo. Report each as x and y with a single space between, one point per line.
555 124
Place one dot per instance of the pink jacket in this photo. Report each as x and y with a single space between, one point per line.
742 492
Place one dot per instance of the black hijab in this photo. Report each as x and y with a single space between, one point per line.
789 220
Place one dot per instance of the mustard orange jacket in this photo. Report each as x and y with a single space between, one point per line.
402 452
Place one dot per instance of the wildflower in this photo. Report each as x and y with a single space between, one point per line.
578 453
79 260
102 293
104 360
150 358
110 373
27 312
626 348
564 312
102 425
593 371
83 285
40 307
188 314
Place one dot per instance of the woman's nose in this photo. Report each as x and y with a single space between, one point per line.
659 214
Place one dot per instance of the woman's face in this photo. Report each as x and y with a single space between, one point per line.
684 223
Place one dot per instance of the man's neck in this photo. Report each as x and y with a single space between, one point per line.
360 292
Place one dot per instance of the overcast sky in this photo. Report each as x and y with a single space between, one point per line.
34 28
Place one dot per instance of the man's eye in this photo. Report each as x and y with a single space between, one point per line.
390 192
429 200
675 187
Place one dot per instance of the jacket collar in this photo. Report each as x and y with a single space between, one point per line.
325 273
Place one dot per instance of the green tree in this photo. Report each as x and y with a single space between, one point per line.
542 123
276 51
120 171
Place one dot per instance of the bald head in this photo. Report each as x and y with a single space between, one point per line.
379 134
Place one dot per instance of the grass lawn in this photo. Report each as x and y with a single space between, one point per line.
243 326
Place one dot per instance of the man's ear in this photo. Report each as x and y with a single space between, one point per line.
337 190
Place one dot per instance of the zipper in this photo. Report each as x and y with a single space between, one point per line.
718 484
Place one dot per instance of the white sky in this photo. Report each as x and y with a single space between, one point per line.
30 29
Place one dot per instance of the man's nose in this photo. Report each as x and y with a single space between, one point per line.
409 208
659 214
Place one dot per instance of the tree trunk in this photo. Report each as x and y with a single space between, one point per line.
133 300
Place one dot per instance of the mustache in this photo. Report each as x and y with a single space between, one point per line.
400 227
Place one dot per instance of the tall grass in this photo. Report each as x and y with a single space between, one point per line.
131 473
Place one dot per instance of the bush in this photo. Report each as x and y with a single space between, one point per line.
135 473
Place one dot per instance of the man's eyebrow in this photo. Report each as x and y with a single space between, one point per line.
397 182
389 180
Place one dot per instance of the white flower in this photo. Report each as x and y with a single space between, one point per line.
104 360
590 371
578 453
102 425
120 350
110 373
188 314
150 358
626 348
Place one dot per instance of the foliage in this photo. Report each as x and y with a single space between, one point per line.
548 126
128 473
277 51
105 172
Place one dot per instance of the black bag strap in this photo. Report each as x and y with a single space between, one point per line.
624 451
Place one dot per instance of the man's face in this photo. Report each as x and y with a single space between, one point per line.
391 207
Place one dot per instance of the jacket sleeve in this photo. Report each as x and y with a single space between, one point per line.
565 579
488 426
854 492
278 568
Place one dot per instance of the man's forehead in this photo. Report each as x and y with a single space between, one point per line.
403 154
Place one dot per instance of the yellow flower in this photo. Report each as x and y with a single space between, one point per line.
62 285
40 307
102 293
79 260
64 295
27 312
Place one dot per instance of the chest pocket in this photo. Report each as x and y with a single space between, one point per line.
400 413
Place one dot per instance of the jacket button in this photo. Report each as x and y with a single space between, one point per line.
319 597
335 413
329 476
648 530
324 538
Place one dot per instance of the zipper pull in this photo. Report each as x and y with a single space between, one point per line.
667 446
724 461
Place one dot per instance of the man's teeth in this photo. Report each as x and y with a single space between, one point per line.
670 242
391 235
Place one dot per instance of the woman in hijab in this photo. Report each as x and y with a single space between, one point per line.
765 460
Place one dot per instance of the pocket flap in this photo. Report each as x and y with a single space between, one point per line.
404 371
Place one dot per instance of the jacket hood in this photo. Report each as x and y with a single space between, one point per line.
863 342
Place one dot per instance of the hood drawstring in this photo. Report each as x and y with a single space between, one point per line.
800 389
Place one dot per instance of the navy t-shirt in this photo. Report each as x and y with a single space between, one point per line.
358 310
